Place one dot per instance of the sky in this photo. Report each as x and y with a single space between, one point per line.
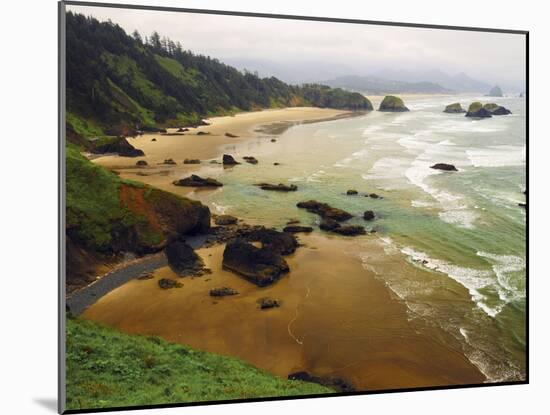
299 51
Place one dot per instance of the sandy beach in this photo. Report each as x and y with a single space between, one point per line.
375 348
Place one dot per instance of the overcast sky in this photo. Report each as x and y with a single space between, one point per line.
321 49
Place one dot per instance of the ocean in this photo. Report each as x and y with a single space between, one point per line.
454 242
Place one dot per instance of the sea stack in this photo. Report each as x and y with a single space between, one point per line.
391 103
495 92
455 108
476 110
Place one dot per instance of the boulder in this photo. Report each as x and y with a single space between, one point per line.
329 225
392 103
197 181
273 140
153 139
118 145
141 163
476 110
324 210
222 292
297 229
496 109
169 161
228 160
191 161
455 108
282 243
182 259
222 220
350 230
374 196
268 302
231 135
166 283
443 166
278 187
523 205
182 130
495 92
203 133
276 164
368 215
260 266
250 159
351 192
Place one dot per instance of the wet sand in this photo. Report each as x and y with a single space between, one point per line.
336 319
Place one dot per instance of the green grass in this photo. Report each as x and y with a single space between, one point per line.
475 106
107 368
85 128
92 200
187 75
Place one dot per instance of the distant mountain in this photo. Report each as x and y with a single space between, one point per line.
379 86
460 82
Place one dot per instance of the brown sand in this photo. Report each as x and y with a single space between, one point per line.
244 125
336 319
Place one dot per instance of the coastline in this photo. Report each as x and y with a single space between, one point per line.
427 360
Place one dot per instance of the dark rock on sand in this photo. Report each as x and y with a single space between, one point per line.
268 302
182 259
476 110
222 292
349 230
329 224
141 163
118 145
324 210
351 192
191 161
455 108
153 139
392 103
273 140
443 166
166 283
338 384
223 220
228 160
276 164
374 196
231 135
278 187
297 229
197 181
203 133
368 215
250 159
260 266
282 243
182 130
169 161
293 222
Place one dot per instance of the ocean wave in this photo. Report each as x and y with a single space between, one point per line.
505 267
220 209
497 156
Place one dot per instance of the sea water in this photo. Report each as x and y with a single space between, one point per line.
461 234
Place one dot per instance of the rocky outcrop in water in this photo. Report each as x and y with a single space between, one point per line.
324 210
495 92
368 215
223 220
476 110
444 167
352 192
261 266
496 109
455 108
391 103
197 181
278 187
349 230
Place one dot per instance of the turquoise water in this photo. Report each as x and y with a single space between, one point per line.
456 240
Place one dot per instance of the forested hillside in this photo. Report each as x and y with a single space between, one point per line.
117 83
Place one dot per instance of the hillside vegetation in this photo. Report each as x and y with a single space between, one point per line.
117 83
107 368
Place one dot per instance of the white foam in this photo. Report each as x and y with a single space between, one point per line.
220 209
387 168
497 156
504 267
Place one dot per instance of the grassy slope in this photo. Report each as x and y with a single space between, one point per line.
107 368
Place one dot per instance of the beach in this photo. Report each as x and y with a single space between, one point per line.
433 297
